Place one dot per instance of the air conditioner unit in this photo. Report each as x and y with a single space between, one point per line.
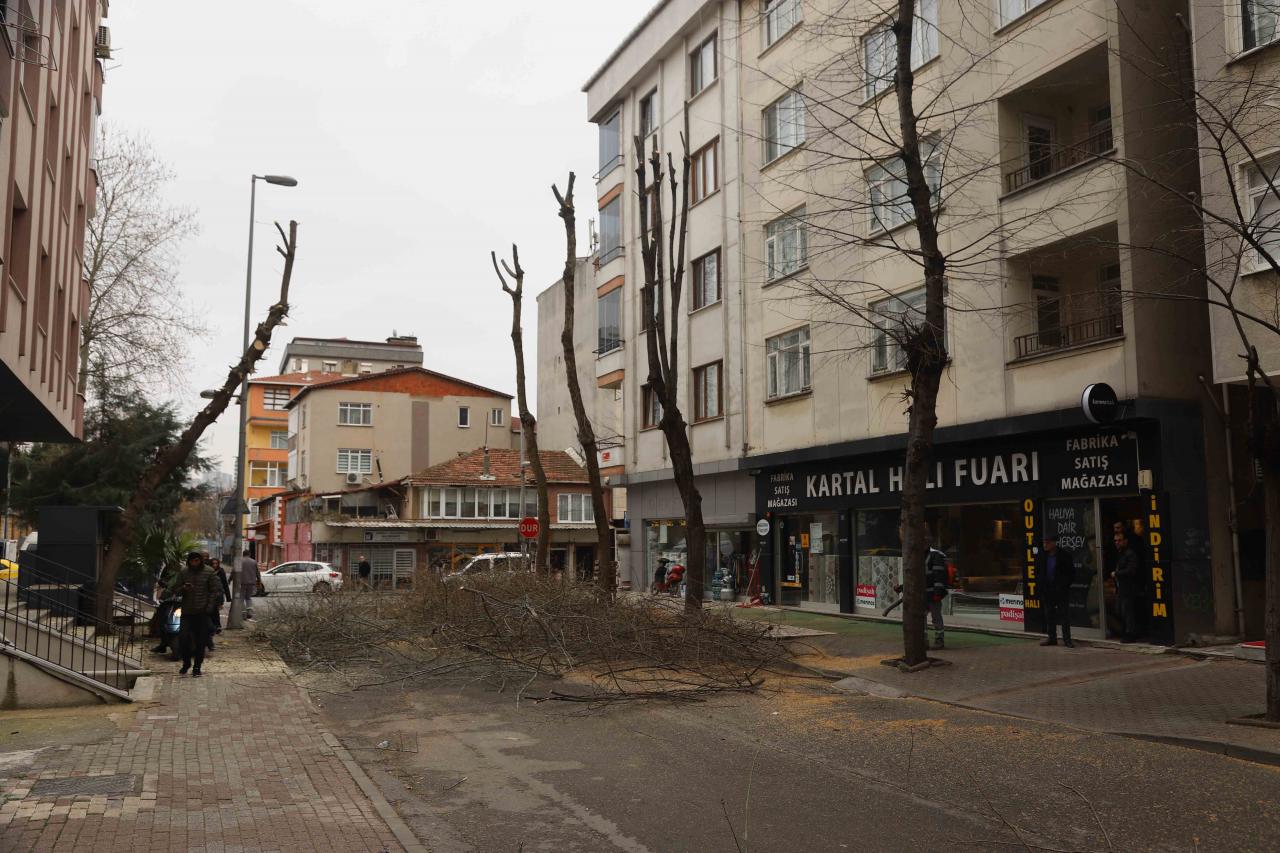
353 479
102 43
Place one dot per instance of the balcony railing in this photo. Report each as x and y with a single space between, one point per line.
1060 158
1073 334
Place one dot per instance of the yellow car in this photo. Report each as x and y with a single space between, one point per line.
8 570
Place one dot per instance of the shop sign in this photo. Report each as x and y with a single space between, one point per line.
1157 561
386 536
762 527
1011 608
1084 462
815 538
866 595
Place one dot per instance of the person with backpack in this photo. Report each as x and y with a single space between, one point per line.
936 584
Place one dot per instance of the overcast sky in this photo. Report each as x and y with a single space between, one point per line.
423 134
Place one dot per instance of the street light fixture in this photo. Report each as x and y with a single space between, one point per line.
235 619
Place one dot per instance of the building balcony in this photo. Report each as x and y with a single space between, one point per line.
1081 333
1056 158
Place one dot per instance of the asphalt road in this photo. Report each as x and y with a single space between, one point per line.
799 768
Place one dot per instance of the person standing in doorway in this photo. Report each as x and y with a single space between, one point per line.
1055 591
248 582
366 572
1128 586
201 596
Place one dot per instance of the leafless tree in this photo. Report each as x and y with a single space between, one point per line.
660 296
528 423
606 572
169 458
138 323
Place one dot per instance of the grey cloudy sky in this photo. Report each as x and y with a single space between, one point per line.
423 134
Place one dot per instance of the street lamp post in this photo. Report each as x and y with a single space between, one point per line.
235 619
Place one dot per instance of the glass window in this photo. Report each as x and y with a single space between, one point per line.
464 416
783 125
452 498
651 406
665 538
702 66
887 188
469 503
531 503
985 552
880 48
431 497
611 230
647 116
355 414
1264 210
787 357
786 245
497 503
893 319
279 439
275 399
330 367
513 503
706 280
780 17
267 474
704 171
496 417
707 401
610 141
355 461
1011 9
609 321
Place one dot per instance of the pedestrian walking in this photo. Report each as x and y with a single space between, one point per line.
660 575
936 582
1055 591
248 582
201 596
1128 586
366 572
215 565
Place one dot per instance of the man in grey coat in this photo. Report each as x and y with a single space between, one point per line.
249 579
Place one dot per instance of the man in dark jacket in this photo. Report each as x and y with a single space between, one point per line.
366 572
1128 577
1058 572
201 595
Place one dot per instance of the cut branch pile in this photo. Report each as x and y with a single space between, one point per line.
516 629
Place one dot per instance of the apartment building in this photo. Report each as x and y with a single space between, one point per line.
1237 68
267 433
348 357
50 96
795 383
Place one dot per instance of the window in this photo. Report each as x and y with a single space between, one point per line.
355 414
785 245
887 187
1048 311
611 230
366 367
780 17
787 363
268 474
652 407
893 317
1011 9
1264 210
496 417
279 439
275 399
330 367
702 66
707 400
464 416
610 143
574 508
351 461
498 503
706 171
706 280
880 47
783 125
647 117
609 321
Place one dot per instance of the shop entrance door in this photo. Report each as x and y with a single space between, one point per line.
1129 515
1076 524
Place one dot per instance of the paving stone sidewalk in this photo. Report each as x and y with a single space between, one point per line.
233 761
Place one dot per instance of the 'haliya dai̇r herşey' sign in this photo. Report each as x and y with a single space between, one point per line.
1087 462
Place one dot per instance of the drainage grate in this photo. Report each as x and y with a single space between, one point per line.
72 786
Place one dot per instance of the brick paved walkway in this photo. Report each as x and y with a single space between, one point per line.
233 761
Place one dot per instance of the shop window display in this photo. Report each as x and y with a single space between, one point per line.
809 561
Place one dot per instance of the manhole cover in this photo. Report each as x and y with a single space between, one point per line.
117 783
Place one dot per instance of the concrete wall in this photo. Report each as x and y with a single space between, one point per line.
27 685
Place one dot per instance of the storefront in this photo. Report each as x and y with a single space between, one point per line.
833 539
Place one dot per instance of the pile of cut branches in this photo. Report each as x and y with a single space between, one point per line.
515 629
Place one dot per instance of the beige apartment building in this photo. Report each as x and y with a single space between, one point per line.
795 383
1237 68
348 357
50 97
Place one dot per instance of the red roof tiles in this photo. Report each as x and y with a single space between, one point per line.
504 470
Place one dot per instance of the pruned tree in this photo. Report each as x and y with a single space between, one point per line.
606 571
171 458
138 324
660 296
528 423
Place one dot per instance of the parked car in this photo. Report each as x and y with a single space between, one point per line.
8 570
510 561
301 576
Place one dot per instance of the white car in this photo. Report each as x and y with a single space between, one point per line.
301 576
505 562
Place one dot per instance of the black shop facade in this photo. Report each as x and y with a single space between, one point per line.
828 530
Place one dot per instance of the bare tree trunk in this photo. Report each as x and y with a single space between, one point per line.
606 566
172 456
528 423
926 355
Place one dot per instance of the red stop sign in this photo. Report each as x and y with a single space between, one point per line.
529 527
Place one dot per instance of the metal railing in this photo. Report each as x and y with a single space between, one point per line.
1060 158
1072 334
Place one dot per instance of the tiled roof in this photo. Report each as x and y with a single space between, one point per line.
504 469
395 371
311 377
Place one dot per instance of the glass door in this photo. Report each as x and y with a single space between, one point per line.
1076 524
